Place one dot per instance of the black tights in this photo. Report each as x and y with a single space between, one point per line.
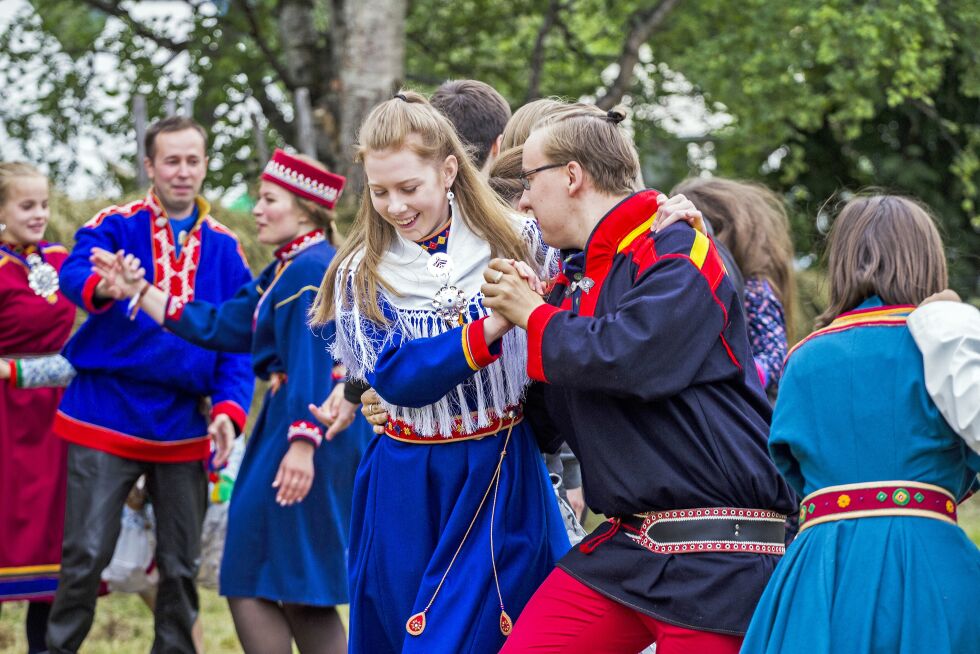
266 627
36 624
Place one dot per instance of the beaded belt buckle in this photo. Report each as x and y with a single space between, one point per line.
713 529
403 431
880 498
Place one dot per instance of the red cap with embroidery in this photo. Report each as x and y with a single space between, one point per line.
303 179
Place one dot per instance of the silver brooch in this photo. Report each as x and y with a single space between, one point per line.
42 277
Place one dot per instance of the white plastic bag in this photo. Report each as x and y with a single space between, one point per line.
573 527
129 570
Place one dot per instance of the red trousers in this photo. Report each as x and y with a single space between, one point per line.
565 616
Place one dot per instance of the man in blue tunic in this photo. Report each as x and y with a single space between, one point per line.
644 354
134 407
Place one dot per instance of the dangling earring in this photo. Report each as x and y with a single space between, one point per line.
452 205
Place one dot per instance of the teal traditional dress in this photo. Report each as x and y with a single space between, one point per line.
853 409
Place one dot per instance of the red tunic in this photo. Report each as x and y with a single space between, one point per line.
32 459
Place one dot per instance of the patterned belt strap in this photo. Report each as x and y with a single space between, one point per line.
879 498
403 431
712 529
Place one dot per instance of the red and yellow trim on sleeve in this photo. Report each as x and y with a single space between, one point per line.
886 316
537 322
305 430
475 347
88 295
233 410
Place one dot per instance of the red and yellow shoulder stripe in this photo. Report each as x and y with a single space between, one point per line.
126 211
887 316
702 253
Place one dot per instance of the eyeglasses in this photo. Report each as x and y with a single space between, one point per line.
525 175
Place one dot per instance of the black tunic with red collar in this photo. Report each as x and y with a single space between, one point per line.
651 372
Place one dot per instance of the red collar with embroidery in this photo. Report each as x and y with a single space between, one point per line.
621 225
300 243
172 274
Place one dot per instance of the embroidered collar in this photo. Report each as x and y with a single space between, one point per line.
20 250
621 225
300 243
870 313
438 241
20 253
172 273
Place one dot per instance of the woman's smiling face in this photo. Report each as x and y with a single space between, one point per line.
409 192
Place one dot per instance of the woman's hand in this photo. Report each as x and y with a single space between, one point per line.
508 293
671 210
335 412
945 295
373 410
122 274
295 475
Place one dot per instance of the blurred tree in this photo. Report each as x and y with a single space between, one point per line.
815 99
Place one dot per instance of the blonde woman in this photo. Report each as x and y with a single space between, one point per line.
454 523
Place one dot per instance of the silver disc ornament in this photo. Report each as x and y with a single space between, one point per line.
42 277
449 301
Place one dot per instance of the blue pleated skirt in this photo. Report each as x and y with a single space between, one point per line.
294 554
413 505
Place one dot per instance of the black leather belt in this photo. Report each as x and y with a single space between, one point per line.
713 529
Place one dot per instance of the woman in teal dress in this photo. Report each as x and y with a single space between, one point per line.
879 564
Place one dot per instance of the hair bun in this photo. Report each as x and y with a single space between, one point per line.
615 116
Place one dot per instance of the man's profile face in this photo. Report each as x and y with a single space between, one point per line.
547 198
177 169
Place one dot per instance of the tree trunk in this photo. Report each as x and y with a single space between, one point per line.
372 68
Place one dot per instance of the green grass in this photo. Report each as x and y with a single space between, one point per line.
123 624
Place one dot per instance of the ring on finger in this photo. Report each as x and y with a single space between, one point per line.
498 276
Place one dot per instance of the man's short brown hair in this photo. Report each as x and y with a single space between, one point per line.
476 110
171 124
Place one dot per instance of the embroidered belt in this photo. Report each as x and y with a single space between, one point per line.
696 531
405 432
880 498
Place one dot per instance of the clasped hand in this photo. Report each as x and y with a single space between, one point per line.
513 291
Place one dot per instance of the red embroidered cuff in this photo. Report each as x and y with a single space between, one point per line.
536 324
338 373
233 411
306 431
14 369
93 305
475 348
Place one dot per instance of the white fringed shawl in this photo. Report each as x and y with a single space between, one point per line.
359 341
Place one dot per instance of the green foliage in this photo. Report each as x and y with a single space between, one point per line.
853 95
813 98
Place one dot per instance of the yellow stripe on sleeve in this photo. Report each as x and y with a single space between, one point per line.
632 236
700 249
466 348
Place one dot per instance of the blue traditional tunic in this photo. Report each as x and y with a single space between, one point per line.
138 390
433 537
295 554
853 408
